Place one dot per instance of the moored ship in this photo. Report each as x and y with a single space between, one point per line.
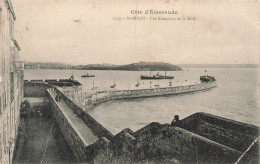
88 75
156 77
207 82
205 79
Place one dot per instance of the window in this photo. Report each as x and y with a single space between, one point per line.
11 30
3 59
0 26
0 147
18 80
12 85
0 114
4 135
4 98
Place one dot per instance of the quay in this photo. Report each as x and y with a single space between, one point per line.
207 82
201 137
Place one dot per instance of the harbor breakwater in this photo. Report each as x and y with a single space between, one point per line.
191 141
102 96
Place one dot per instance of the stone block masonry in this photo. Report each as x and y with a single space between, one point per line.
78 135
35 89
164 143
100 97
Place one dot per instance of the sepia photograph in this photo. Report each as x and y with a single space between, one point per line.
129 81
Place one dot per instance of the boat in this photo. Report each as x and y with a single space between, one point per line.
113 86
150 84
206 78
157 84
170 83
137 83
156 77
88 75
71 77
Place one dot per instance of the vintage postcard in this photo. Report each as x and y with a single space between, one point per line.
129 81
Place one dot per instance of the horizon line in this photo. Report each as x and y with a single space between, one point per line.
149 62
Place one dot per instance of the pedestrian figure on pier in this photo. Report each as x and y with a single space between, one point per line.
175 121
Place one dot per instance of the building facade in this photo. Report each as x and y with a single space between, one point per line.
11 82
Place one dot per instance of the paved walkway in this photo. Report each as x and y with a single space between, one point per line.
84 132
40 140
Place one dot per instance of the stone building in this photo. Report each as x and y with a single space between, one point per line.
11 82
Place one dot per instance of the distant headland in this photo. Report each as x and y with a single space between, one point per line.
141 66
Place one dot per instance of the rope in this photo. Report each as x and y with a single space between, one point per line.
46 144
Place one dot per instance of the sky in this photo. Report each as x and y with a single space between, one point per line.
85 32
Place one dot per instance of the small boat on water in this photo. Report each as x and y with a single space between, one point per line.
93 88
137 83
157 84
113 86
88 75
156 77
170 83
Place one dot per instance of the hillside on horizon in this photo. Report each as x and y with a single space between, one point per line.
141 66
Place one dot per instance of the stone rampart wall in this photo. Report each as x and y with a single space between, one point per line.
91 101
233 134
164 143
35 89
71 135
96 127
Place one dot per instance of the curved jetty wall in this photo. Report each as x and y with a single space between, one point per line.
100 97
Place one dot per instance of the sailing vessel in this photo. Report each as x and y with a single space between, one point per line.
156 77
170 83
93 88
137 83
